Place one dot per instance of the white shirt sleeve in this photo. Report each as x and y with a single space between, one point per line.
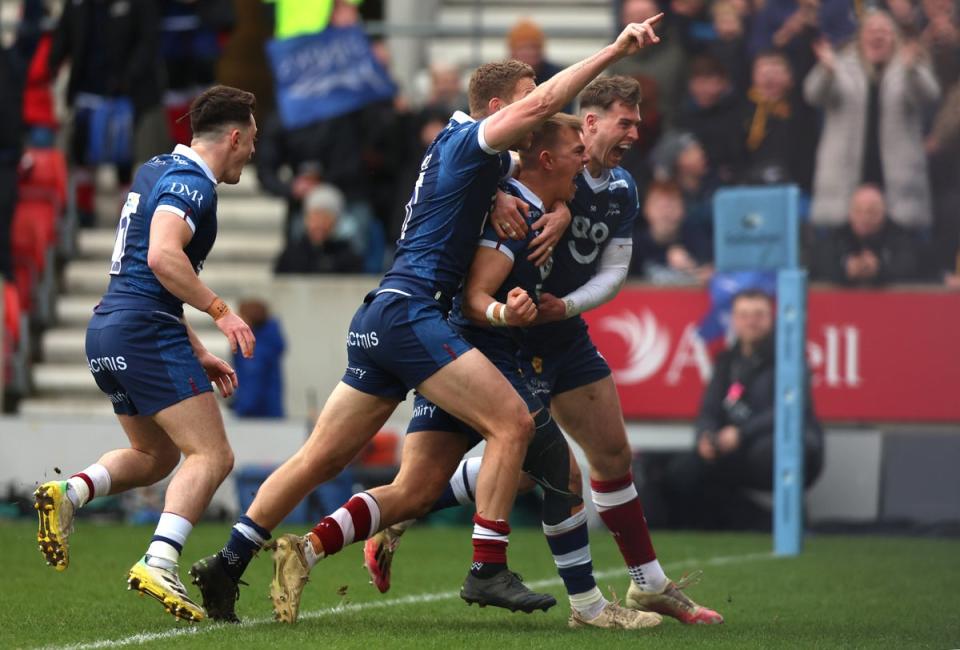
606 282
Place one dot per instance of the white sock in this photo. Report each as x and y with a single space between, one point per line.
589 604
168 540
649 576
464 480
78 490
311 555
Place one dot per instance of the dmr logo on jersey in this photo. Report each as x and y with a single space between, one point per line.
184 190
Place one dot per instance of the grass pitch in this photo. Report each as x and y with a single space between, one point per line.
842 592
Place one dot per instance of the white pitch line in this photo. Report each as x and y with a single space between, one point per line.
146 637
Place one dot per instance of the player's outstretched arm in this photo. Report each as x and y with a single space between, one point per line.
165 257
488 273
508 125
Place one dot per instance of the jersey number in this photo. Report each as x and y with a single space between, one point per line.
119 246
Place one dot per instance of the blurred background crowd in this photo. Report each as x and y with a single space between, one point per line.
857 103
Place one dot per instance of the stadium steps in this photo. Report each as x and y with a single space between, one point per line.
249 238
575 29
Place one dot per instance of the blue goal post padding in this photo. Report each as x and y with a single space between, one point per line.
757 228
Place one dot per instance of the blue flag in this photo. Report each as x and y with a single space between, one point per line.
320 76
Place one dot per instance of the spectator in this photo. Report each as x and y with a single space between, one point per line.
730 46
869 250
942 39
943 146
779 130
298 17
260 378
446 89
874 96
14 57
712 113
192 33
665 64
113 50
792 25
706 488
679 157
317 250
525 42
666 250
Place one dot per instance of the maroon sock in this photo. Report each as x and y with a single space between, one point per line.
490 539
355 520
619 508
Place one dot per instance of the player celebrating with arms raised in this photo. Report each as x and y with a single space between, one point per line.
589 267
400 339
148 360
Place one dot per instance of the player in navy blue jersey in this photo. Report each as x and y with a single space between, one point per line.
590 266
400 339
563 366
149 362
500 295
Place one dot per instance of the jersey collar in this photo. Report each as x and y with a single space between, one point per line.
527 194
597 184
187 152
461 118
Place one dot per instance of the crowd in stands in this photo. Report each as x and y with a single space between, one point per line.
855 102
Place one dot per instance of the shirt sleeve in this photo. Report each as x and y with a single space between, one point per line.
189 196
465 150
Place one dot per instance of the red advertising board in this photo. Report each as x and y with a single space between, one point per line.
874 355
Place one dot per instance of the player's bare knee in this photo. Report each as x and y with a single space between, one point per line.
164 463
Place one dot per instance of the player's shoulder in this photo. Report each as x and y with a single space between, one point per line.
621 179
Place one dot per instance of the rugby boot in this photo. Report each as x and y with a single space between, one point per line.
290 574
615 617
219 591
55 512
673 602
378 554
165 586
504 589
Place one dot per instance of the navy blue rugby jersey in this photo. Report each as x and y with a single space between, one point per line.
181 183
603 213
446 214
523 274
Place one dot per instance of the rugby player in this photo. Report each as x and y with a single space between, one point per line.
399 338
145 357
569 374
500 294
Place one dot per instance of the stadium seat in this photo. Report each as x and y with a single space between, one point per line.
45 177
33 238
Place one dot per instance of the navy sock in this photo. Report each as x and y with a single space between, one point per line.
447 500
246 538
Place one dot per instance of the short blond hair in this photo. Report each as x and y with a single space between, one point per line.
546 136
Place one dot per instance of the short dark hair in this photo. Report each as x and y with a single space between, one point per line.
603 92
219 106
707 66
546 135
751 294
666 187
495 80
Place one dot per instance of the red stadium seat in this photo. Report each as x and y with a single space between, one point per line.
45 177
11 314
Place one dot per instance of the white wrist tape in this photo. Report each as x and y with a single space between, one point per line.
497 320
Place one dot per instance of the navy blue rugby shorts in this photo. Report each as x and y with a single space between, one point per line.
143 361
396 341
